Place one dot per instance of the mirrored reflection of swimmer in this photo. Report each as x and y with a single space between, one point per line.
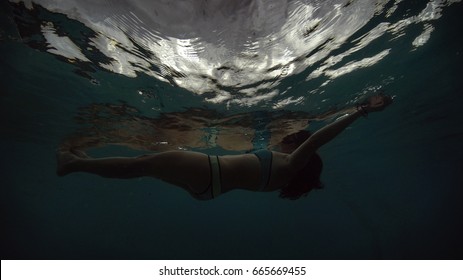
295 170
195 128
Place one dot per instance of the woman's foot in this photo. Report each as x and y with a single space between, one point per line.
66 158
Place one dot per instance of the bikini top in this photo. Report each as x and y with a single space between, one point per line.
265 159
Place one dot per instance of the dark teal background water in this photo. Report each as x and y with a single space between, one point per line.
393 181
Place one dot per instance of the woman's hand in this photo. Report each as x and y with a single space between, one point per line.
377 103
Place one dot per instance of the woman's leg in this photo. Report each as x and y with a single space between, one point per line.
113 167
185 169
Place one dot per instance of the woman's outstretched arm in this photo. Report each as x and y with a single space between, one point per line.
299 158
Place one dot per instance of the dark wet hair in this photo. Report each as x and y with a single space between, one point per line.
306 179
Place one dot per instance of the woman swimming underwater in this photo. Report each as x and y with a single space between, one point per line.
295 170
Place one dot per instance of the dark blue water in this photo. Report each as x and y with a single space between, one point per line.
393 181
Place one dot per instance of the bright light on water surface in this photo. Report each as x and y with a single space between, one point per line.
236 52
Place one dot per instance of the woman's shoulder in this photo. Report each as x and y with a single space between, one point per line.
280 155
